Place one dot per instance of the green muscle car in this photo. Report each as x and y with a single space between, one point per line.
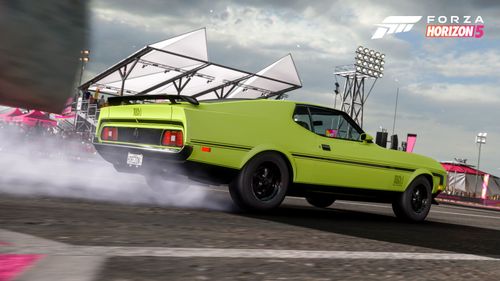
264 150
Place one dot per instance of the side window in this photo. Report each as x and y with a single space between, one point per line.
332 124
301 117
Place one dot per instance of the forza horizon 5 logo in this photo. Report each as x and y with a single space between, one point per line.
437 26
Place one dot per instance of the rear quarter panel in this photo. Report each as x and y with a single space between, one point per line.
236 131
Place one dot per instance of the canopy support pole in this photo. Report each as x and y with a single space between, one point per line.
124 74
230 91
179 86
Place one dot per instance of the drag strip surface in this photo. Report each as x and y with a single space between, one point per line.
295 242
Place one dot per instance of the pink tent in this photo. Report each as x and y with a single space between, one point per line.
6 117
68 116
67 107
462 179
460 168
34 118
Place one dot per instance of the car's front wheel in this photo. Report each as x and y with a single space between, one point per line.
262 183
415 203
320 200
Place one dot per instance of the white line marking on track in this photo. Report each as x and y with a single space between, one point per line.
112 251
29 245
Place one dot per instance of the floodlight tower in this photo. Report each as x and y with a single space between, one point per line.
84 58
368 64
480 139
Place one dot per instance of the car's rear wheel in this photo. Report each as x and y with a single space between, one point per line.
262 183
320 200
415 203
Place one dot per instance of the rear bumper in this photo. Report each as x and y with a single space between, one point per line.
117 154
167 163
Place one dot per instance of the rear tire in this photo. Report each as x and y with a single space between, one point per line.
320 200
262 183
415 203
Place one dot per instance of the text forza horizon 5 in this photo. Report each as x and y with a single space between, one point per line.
437 26
454 26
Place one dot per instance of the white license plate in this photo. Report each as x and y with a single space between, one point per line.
134 159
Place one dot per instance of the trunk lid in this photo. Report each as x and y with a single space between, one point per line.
143 112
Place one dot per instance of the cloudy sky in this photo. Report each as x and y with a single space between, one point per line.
448 87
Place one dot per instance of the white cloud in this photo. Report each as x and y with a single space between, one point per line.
257 28
478 63
457 93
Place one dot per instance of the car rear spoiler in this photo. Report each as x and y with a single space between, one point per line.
130 99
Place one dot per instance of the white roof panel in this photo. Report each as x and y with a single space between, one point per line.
180 66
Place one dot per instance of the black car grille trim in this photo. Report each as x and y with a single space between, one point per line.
140 135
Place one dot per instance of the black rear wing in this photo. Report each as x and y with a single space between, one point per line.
124 100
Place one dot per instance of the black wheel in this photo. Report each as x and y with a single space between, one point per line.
415 203
320 200
262 183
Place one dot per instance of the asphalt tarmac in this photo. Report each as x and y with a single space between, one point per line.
95 240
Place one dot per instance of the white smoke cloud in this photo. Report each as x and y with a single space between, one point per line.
32 165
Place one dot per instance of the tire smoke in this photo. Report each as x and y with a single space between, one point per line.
38 164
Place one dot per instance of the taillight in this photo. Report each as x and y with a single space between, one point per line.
167 136
179 139
172 138
105 133
109 133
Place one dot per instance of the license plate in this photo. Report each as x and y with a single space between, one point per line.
134 159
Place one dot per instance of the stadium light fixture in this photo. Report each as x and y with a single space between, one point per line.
368 65
481 138
369 62
84 55
84 58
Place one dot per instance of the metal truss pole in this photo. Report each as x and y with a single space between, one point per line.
353 97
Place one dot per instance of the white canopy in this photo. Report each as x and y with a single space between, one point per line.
180 66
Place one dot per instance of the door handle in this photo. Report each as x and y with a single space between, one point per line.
325 147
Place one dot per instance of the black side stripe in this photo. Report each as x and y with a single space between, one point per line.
222 145
352 162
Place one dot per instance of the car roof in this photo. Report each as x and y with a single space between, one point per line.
269 100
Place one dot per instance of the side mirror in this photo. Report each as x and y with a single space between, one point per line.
366 138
